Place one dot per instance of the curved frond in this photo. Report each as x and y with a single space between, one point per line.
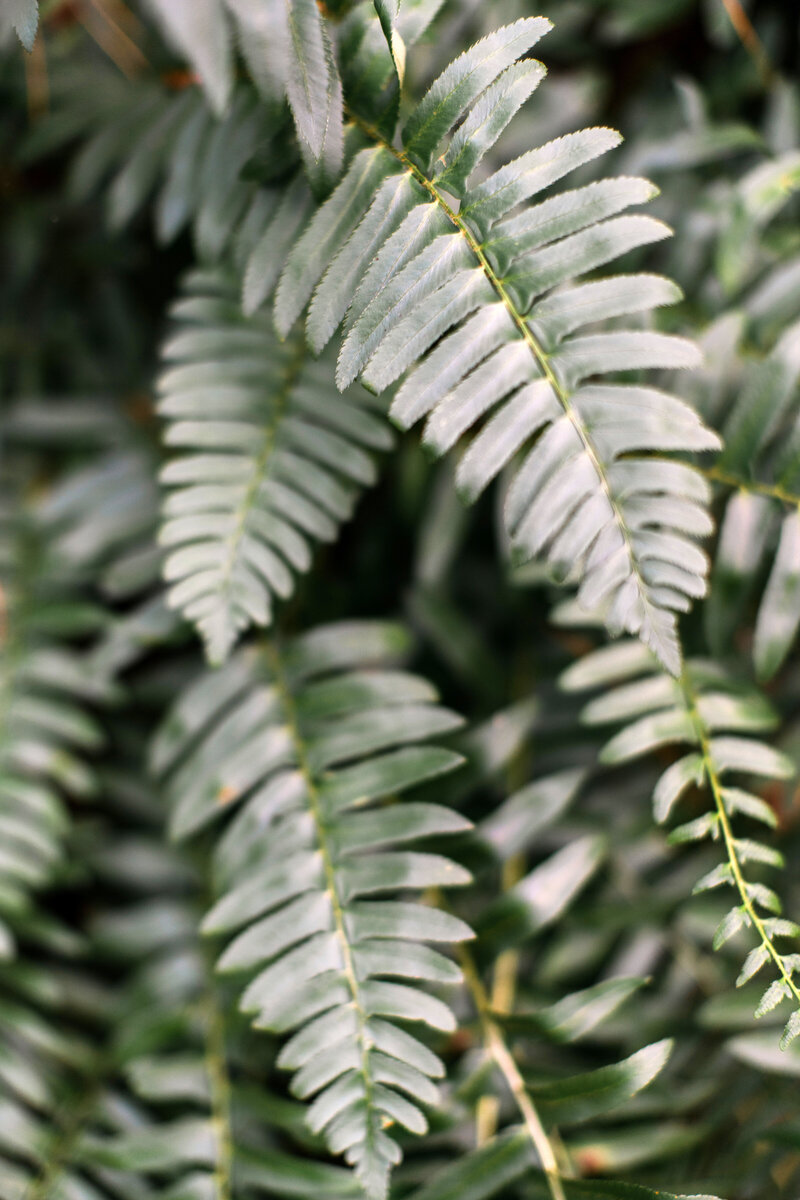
304 739
719 720
289 52
23 17
272 460
477 300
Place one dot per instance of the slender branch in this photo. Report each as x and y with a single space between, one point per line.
37 84
504 985
111 38
496 1045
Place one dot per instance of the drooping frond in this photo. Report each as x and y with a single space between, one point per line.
465 290
123 1074
49 1065
304 738
272 460
719 720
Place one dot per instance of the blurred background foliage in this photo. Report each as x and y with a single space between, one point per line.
125 1070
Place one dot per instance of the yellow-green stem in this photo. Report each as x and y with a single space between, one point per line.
773 491
220 1092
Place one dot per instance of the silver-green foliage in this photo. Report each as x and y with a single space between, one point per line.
458 285
307 741
288 48
761 522
271 460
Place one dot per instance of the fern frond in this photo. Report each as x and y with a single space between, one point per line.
273 460
151 148
455 287
134 1081
720 720
305 737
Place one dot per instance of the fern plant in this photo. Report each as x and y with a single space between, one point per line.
315 934
476 266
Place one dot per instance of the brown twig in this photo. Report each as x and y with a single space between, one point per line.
750 40
111 37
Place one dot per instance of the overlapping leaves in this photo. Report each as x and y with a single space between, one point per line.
288 48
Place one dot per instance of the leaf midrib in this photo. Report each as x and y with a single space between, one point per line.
329 869
260 464
540 355
691 700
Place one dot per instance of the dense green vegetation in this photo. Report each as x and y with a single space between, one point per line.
399 598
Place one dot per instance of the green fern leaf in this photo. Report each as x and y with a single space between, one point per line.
459 298
47 731
706 710
314 90
463 81
273 461
302 738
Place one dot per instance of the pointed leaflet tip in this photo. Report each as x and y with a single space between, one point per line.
24 17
